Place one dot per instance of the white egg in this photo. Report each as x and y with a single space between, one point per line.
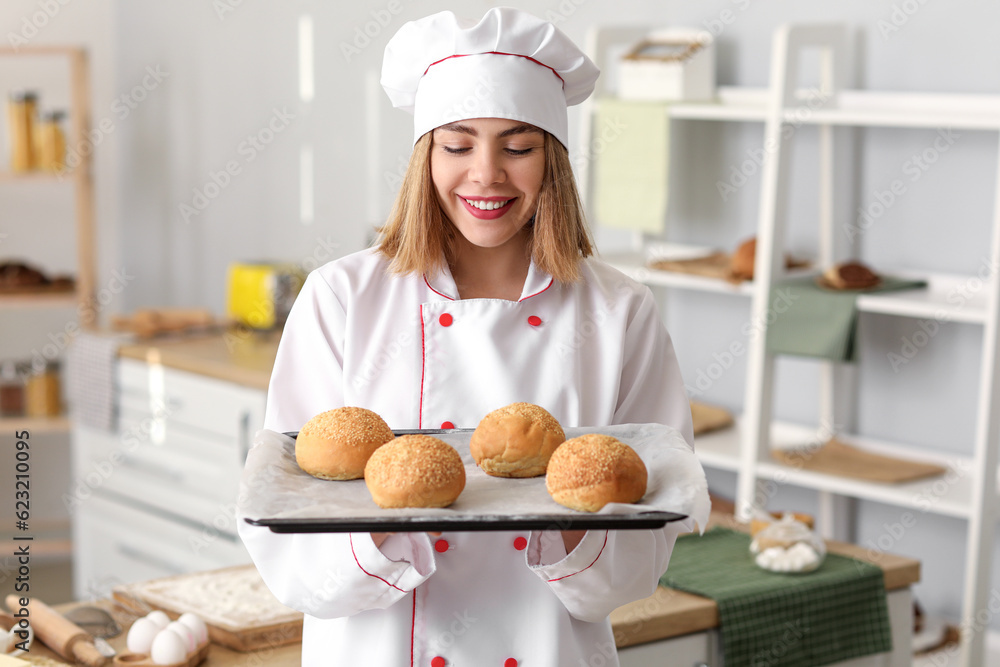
168 648
190 641
197 626
141 635
160 618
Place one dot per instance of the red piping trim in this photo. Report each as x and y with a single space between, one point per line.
351 539
551 280
499 53
423 368
413 625
589 566
435 291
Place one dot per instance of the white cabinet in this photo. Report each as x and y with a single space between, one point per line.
158 496
746 449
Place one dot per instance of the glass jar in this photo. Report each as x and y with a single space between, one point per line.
42 393
11 390
22 108
788 545
50 141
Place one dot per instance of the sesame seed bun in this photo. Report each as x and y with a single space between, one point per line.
592 470
516 441
415 471
336 444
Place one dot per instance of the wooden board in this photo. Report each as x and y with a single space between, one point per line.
270 625
715 265
708 418
838 458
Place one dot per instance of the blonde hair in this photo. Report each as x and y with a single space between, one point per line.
418 238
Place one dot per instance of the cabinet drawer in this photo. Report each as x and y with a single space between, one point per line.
115 544
190 475
694 650
173 396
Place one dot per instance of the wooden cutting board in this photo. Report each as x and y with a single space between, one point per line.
709 418
839 458
234 603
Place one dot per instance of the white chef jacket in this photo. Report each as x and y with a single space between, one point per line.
592 353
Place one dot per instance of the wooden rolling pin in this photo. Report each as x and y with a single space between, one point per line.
60 635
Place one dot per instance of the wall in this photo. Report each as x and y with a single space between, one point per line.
232 69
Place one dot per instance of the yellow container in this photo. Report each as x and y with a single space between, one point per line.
260 294
22 108
50 141
42 395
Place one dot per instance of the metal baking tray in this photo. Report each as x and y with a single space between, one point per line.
309 505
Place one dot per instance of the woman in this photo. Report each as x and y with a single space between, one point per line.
480 293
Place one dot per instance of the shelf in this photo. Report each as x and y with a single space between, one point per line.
35 177
733 104
63 299
947 298
947 495
35 425
721 449
852 108
633 264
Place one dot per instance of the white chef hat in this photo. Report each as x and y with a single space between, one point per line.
510 64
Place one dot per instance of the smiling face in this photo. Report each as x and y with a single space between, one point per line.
487 173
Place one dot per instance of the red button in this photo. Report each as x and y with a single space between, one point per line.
438 662
446 321
510 662
534 321
447 425
520 544
441 546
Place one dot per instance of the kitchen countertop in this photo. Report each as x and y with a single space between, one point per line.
240 356
665 614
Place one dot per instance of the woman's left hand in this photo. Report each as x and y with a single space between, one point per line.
571 538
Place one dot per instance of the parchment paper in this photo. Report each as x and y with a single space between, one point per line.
274 487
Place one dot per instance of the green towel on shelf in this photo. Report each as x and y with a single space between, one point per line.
631 146
807 320
834 613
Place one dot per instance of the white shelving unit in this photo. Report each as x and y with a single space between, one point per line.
746 448
81 227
